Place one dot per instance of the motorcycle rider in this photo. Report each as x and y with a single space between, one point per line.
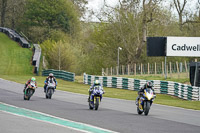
96 83
50 77
33 79
149 84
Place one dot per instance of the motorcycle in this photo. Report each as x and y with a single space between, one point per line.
50 89
29 91
95 98
145 101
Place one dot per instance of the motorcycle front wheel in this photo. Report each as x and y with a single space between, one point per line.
25 97
146 107
90 106
138 111
49 93
96 104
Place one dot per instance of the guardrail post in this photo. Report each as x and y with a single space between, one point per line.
199 93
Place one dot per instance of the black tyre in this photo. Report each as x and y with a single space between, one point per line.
24 97
146 107
90 106
30 93
28 98
138 111
50 92
96 105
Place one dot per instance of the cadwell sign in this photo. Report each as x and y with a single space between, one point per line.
183 46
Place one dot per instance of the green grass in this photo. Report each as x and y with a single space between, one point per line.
16 66
15 60
183 78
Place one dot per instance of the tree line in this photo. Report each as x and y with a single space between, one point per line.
72 44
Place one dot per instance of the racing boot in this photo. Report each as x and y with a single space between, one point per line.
137 99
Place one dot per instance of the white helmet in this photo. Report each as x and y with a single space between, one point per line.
50 74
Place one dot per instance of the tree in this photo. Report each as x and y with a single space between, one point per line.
15 12
60 55
180 9
11 13
52 14
127 27
81 6
149 9
3 11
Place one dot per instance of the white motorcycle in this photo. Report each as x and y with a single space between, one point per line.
50 89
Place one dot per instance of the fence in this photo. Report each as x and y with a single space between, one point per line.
60 74
149 68
182 91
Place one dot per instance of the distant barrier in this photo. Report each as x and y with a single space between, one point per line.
36 57
182 91
16 37
60 74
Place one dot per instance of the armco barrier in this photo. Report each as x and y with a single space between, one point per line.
182 91
60 74
16 37
36 57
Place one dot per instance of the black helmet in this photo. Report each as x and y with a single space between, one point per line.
149 84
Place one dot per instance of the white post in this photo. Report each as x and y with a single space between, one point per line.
102 71
165 67
119 48
43 62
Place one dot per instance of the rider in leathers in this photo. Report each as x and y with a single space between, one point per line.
141 91
49 78
28 82
96 83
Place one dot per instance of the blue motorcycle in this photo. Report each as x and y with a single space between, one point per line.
95 98
145 101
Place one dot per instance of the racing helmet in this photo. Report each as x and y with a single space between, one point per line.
97 82
51 75
33 79
149 84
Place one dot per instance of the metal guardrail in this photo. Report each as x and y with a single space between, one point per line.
69 76
182 91
36 57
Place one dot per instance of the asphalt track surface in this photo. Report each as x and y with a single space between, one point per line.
113 114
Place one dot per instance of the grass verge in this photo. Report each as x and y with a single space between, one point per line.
14 59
